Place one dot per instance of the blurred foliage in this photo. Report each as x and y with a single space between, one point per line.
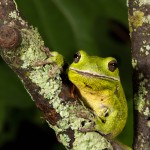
99 27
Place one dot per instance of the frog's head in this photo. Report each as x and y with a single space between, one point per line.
95 66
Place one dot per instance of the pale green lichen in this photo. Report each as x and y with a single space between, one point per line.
146 53
137 19
83 142
63 110
31 47
15 15
31 53
69 119
139 102
144 2
77 124
139 98
141 76
50 88
127 3
134 63
142 141
64 139
141 50
15 5
148 124
146 19
130 26
147 112
145 49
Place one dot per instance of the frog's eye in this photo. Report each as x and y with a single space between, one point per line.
77 57
112 65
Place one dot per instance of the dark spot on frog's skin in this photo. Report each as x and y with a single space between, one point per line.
87 86
103 121
116 91
107 114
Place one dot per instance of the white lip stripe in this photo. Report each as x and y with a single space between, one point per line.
94 74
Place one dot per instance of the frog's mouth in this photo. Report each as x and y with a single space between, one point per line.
94 74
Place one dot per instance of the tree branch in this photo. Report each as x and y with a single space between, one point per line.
21 47
139 22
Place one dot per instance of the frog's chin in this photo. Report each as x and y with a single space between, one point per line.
94 74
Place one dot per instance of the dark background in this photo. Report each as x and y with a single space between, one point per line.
99 27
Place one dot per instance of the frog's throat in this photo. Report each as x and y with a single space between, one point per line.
94 74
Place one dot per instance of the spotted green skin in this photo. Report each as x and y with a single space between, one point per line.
101 90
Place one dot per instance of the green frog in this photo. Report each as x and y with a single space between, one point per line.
98 82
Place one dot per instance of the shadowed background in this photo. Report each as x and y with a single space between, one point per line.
99 27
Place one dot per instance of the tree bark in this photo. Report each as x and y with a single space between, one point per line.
21 47
139 24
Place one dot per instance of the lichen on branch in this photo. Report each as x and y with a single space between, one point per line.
139 23
22 47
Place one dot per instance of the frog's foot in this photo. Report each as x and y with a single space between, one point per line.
43 62
103 113
54 58
46 51
40 63
52 72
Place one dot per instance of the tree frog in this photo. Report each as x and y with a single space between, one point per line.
98 82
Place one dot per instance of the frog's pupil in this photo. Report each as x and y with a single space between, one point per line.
112 65
77 57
